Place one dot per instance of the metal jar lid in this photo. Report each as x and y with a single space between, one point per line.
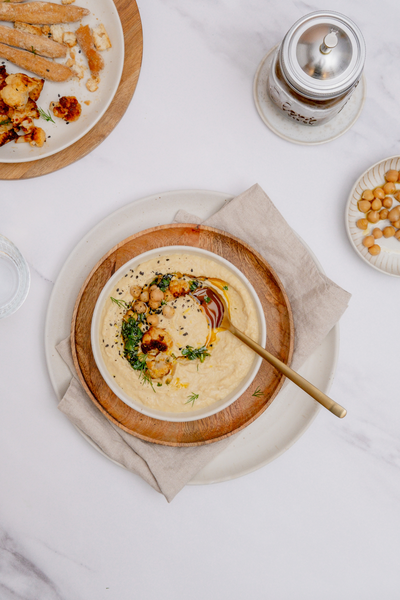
322 56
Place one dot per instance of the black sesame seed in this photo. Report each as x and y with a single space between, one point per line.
107 345
186 333
141 273
48 70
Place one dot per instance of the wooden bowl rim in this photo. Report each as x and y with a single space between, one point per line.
120 244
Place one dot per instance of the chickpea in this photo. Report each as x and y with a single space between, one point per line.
139 307
389 232
397 196
154 287
168 311
387 202
144 296
389 188
168 296
376 204
368 195
397 235
362 223
394 214
373 216
392 175
152 320
369 241
377 233
135 290
364 206
154 305
379 193
383 214
374 250
157 295
396 224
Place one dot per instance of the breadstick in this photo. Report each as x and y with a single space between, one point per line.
11 0
86 42
42 13
36 64
35 44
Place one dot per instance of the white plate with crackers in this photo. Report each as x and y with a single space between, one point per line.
105 30
373 216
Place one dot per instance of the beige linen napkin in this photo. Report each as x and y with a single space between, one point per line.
317 304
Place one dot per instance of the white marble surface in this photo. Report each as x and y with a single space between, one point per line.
321 522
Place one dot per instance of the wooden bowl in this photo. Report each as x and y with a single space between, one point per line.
279 340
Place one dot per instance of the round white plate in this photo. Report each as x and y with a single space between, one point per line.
292 411
294 132
59 134
388 261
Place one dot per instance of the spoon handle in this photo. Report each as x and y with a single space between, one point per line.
305 385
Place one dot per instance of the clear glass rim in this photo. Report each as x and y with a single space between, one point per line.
10 251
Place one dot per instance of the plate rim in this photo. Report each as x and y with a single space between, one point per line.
50 352
347 209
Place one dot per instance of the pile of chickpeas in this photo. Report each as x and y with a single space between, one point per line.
377 205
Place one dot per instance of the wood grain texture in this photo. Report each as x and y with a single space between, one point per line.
280 336
133 36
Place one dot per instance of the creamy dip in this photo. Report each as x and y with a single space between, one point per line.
229 360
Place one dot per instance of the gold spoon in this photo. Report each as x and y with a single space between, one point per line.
217 313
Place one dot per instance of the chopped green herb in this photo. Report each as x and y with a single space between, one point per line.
44 115
192 398
207 300
193 285
159 384
225 287
33 50
192 353
6 122
258 393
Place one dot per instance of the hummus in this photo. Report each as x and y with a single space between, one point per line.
219 363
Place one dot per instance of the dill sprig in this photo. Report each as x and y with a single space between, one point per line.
258 393
44 115
144 377
120 303
192 398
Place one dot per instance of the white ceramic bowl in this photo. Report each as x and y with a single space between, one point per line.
163 415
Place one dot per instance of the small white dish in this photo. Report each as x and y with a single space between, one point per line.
14 278
118 391
388 261
61 135
295 132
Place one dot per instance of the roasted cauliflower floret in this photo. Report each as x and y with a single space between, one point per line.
19 88
36 137
158 367
179 287
156 340
67 108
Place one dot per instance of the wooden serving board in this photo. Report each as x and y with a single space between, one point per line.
280 336
133 36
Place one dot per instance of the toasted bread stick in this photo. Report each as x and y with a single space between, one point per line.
12 0
34 43
36 64
42 13
86 42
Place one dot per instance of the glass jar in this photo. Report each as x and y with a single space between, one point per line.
316 68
